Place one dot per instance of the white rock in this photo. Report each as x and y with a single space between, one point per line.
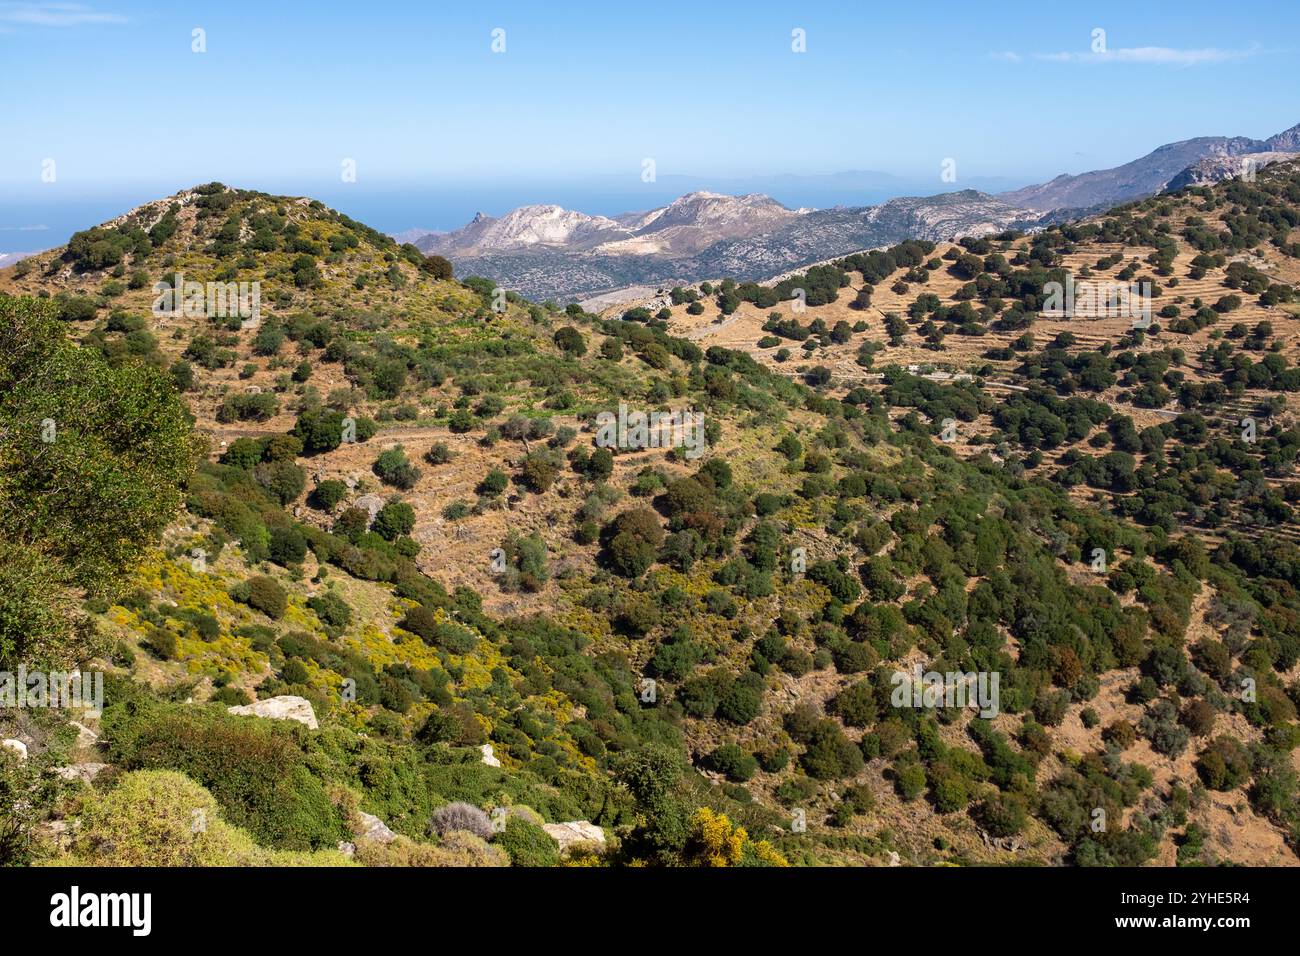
373 828
575 831
85 736
17 746
347 849
287 707
488 757
62 832
85 772
370 504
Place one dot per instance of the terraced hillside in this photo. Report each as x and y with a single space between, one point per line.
1222 341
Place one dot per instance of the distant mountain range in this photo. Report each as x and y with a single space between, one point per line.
546 251
684 227
550 252
1153 173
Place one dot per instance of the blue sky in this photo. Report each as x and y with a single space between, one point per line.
112 92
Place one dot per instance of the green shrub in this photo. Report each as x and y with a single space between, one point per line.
494 483
1224 764
733 763
163 818
253 768
266 595
163 643
332 610
327 494
394 519
830 754
394 468
527 844
288 546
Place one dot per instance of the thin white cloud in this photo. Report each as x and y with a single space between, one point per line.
1152 55
54 15
1006 56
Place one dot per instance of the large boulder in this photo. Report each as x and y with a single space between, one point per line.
489 757
279 708
575 831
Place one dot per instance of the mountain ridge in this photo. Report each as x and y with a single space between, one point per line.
1144 176
546 251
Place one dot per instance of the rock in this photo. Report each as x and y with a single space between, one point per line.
85 736
488 757
17 746
85 772
369 503
62 832
373 828
347 849
279 708
1216 168
575 831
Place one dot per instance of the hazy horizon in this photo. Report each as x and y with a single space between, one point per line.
30 225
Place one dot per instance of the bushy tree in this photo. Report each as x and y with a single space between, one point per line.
394 520
394 468
266 595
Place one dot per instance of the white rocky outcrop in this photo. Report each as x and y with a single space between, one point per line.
574 831
489 758
287 707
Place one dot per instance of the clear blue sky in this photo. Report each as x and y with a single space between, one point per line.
413 92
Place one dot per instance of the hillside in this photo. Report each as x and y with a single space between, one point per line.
646 640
